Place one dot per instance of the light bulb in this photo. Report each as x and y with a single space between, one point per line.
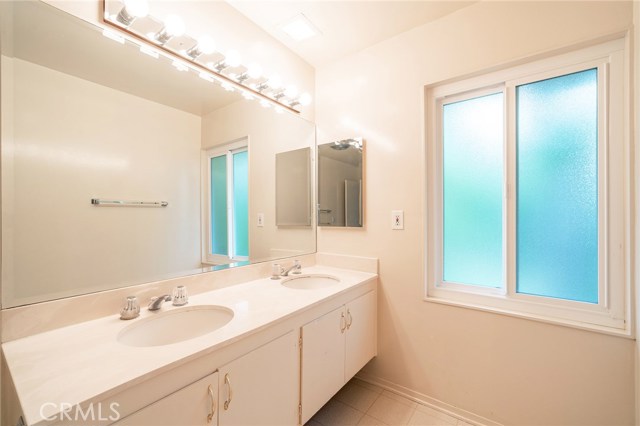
305 99
275 82
255 70
233 58
206 45
174 26
137 8
291 91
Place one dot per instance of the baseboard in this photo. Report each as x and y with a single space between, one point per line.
436 404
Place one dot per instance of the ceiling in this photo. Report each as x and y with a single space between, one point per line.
346 26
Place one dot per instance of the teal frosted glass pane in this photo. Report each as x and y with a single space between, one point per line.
557 187
241 203
219 239
472 211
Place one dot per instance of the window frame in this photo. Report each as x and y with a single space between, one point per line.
227 150
612 312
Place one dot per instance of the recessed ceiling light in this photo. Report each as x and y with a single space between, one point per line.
299 28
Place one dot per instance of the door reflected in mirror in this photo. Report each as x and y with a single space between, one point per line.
341 183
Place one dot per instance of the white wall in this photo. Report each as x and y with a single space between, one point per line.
511 370
268 133
73 140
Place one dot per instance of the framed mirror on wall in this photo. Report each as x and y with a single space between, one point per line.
85 117
341 183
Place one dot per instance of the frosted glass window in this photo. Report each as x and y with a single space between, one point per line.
219 223
473 134
241 203
557 187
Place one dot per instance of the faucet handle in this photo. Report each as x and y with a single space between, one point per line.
131 308
276 270
180 296
297 267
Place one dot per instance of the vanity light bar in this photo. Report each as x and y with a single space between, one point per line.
156 44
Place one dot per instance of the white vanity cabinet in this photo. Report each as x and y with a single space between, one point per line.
259 388
193 405
262 387
335 347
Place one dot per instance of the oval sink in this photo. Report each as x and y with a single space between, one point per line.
175 326
310 282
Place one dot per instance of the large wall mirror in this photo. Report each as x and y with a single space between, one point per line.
84 117
340 183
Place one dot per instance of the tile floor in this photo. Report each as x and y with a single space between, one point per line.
361 403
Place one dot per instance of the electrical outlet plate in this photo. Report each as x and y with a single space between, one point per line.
261 219
397 219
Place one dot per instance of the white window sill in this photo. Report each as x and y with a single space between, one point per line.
612 331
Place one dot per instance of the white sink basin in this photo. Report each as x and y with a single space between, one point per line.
310 281
175 326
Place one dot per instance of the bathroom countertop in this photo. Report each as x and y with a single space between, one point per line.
54 364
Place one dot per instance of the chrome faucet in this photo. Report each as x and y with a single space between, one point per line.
296 268
156 302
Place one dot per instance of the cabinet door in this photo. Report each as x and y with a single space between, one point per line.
322 360
361 345
194 405
262 387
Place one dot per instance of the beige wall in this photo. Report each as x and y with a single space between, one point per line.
65 148
230 29
268 133
511 370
